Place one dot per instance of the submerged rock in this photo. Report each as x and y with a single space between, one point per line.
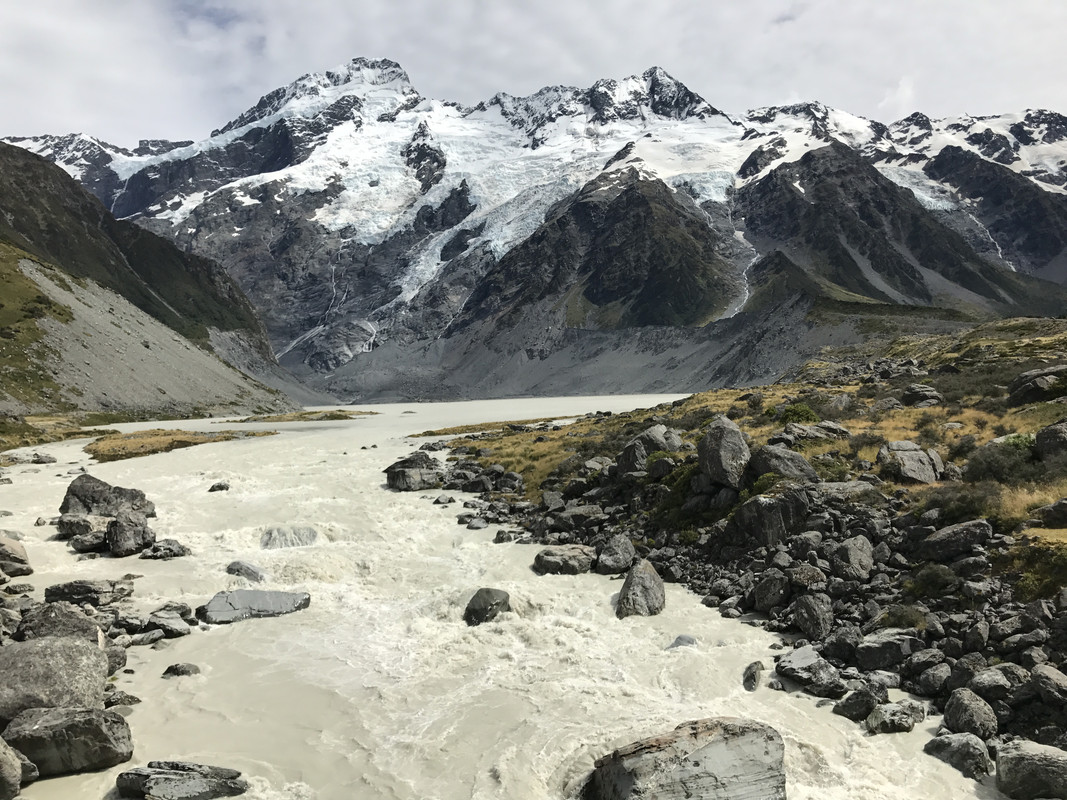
485 605
279 536
723 758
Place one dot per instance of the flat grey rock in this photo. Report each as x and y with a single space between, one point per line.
241 604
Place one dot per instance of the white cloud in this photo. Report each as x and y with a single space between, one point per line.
129 69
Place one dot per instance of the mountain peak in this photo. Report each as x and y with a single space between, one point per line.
310 93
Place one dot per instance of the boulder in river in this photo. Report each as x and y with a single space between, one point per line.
180 780
89 495
95 593
1027 770
642 592
817 675
485 605
564 559
965 751
247 571
241 604
13 560
722 758
966 712
413 474
48 672
60 741
128 534
616 556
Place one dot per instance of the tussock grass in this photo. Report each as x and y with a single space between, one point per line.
118 446
483 427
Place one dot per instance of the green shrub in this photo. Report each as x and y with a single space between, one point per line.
1010 462
798 412
1039 569
962 447
933 580
861 441
898 616
960 502
833 471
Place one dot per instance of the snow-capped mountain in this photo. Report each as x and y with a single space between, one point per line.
390 239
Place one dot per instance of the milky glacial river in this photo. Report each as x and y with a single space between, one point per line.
379 690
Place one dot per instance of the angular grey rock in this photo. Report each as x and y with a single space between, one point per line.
92 542
88 495
278 536
921 393
485 605
247 571
966 712
907 462
722 758
413 474
931 682
723 452
853 559
658 438
1008 682
70 525
813 614
1028 771
767 520
857 705
13 559
180 780
181 670
170 622
616 556
1051 685
49 672
128 534
886 648
220 486
642 592
60 741
564 559
242 604
782 461
1051 441
954 541
59 619
752 675
890 718
964 751
817 675
10 772
95 593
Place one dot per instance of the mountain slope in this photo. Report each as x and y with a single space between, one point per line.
82 289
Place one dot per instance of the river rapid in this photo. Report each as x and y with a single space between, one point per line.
379 689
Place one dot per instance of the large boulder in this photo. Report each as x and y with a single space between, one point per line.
817 675
1027 770
129 534
95 593
616 556
564 559
954 541
766 520
921 396
658 438
242 604
908 463
781 461
59 619
771 590
1051 685
485 605
1051 441
48 672
642 592
723 453
10 772
890 718
853 559
418 471
886 648
723 758
13 560
180 780
60 741
964 751
966 712
277 537
1036 385
89 495
813 614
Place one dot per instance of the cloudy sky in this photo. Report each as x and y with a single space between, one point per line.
124 70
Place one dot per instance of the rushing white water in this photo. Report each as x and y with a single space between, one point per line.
379 690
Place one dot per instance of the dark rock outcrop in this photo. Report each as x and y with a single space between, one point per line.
60 741
242 604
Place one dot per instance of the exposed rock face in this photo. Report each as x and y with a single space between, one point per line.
718 759
642 592
241 604
60 741
724 454
55 671
1028 771
485 605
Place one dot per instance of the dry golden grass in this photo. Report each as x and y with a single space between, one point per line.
484 427
331 415
1055 536
117 446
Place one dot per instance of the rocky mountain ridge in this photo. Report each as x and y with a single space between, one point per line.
398 245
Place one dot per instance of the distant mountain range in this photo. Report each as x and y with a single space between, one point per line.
625 237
